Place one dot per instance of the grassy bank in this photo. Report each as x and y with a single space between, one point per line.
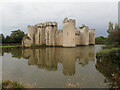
10 45
7 46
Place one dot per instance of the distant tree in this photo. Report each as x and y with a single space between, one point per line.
100 40
7 39
2 38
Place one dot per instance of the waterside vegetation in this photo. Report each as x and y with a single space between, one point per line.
111 53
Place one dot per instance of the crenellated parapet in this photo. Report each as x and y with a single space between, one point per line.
47 24
66 20
69 21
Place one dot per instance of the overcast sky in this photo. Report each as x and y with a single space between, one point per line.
96 15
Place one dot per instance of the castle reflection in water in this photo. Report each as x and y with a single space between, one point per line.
49 58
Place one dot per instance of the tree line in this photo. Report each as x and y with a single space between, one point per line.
15 37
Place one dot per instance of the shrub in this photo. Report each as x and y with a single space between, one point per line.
112 54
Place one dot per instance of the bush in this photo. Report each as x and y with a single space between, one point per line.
112 54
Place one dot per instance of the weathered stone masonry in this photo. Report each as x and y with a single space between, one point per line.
49 35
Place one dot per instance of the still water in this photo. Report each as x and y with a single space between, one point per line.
54 67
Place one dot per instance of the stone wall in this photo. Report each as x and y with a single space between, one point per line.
26 42
92 36
56 38
60 38
48 34
84 36
31 33
77 37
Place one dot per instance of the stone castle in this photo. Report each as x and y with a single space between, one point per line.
48 34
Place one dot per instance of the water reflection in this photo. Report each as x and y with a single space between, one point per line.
49 58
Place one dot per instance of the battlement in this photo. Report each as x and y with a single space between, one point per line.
83 27
46 24
66 20
31 26
41 25
91 30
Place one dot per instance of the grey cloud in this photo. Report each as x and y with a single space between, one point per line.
93 14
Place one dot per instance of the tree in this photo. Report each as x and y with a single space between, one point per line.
2 38
100 40
116 26
114 34
110 28
7 39
16 36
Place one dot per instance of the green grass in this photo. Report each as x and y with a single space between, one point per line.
6 46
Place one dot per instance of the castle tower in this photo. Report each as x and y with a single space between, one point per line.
69 32
92 36
39 34
50 33
31 33
84 35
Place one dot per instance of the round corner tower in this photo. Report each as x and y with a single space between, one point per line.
69 32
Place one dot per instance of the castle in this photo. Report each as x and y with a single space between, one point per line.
48 34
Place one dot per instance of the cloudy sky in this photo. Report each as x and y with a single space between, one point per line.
18 15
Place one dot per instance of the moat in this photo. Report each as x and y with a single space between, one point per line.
55 67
